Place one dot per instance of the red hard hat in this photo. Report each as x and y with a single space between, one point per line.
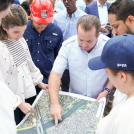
42 11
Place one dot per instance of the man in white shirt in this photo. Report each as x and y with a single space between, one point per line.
67 21
7 123
75 54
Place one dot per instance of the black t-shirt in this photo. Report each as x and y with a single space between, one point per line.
25 5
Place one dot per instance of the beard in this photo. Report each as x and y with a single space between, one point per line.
128 31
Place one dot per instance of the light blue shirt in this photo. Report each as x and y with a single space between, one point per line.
103 15
68 25
79 4
83 81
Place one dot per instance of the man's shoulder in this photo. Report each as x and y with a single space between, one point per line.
54 27
81 13
59 15
104 37
102 40
109 4
29 25
70 42
92 4
53 31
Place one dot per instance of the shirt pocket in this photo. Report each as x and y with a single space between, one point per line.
49 45
75 67
50 42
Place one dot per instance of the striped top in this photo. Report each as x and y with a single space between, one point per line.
16 50
17 68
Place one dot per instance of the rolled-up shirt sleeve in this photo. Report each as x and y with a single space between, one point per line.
61 61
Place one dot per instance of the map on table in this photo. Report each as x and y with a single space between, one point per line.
80 115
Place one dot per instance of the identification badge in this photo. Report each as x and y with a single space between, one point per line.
55 34
43 13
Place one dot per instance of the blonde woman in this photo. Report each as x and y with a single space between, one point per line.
18 70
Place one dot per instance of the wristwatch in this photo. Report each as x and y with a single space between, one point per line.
109 91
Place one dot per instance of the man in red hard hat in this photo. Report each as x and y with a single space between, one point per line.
44 38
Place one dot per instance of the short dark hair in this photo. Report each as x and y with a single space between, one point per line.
122 9
4 4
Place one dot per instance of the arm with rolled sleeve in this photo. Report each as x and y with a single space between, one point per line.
60 65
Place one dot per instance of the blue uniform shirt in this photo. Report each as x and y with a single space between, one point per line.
44 47
68 25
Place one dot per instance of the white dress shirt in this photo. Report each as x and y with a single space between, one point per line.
83 81
17 68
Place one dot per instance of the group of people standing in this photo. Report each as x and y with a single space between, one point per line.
67 50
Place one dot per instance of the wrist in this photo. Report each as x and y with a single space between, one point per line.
39 85
20 104
107 89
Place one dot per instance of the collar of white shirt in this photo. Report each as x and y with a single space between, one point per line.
75 14
98 4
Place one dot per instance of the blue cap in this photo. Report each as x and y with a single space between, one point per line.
118 53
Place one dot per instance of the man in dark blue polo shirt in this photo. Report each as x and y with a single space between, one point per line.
44 39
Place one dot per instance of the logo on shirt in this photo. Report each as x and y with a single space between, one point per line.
43 13
55 34
121 65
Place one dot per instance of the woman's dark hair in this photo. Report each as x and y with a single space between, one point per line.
4 4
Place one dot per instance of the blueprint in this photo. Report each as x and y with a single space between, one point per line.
80 115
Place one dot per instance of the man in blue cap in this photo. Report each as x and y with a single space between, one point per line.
118 61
